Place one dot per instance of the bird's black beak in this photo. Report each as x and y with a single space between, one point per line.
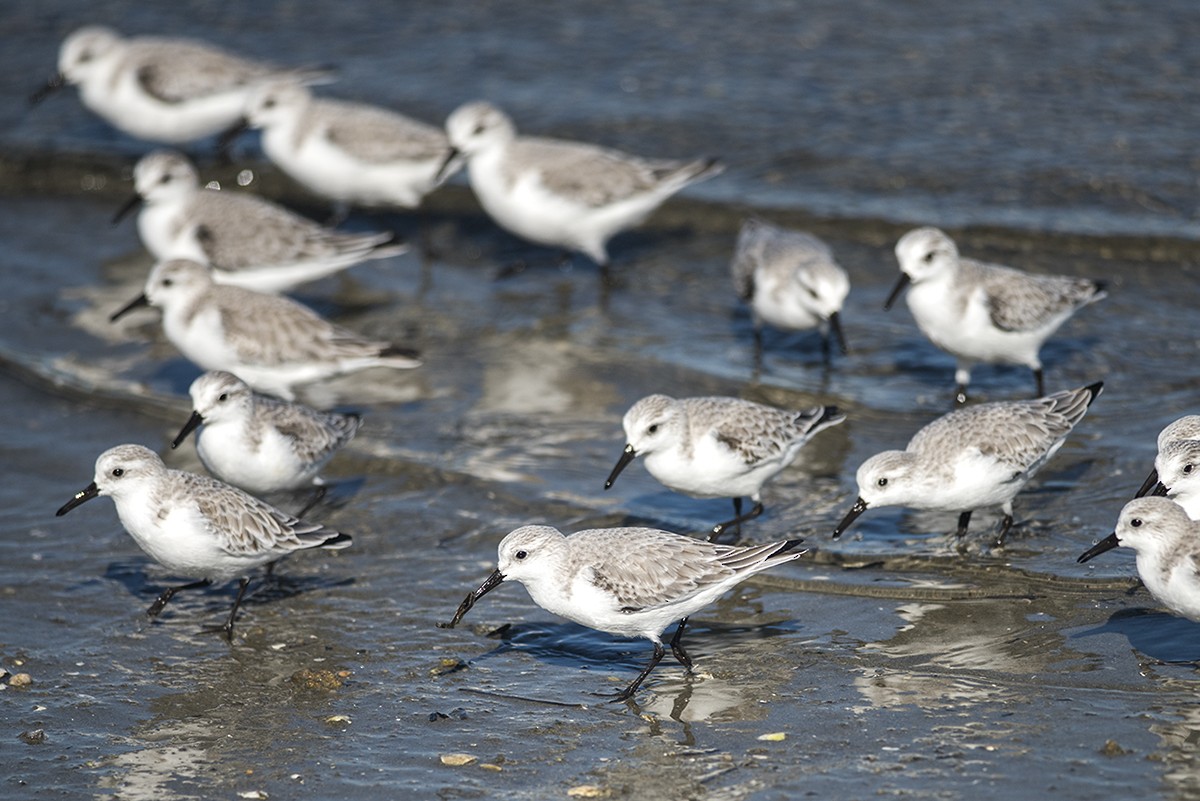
627 456
193 422
896 290
857 509
57 81
451 155
83 496
126 207
1106 544
136 303
493 581
1150 485
835 325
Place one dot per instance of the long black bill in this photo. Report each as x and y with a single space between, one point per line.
56 82
136 303
193 422
896 290
225 140
857 509
835 325
1106 544
83 496
1149 484
451 155
493 581
126 207
627 456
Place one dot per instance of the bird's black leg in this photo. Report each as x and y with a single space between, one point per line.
739 518
960 394
237 602
677 646
964 520
1006 523
628 692
169 593
1041 386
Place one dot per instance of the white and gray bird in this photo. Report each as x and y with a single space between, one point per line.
248 240
632 582
791 281
195 525
980 312
258 443
349 153
563 194
1185 429
718 447
271 342
162 89
972 458
1167 543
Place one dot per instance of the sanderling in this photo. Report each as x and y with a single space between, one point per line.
260 444
350 153
1177 473
1182 430
791 281
718 447
558 193
632 582
271 342
972 458
981 312
162 89
247 240
1167 543
195 525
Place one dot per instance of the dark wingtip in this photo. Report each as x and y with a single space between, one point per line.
1095 390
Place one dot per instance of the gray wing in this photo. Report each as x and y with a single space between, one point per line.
375 135
651 568
1018 301
1018 433
272 330
178 70
774 250
245 526
592 175
754 432
313 434
238 231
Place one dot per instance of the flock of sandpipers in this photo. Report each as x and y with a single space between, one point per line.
222 257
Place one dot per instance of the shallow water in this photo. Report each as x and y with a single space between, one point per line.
892 663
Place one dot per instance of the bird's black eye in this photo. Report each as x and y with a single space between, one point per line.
85 57
652 429
1136 522
883 482
224 396
269 103
519 555
1187 468
166 179
118 472
480 128
928 257
168 282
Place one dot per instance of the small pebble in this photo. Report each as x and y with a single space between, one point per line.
589 791
20 680
773 737
1112 748
457 760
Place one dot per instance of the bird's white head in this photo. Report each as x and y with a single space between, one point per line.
478 126
83 51
926 253
164 175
